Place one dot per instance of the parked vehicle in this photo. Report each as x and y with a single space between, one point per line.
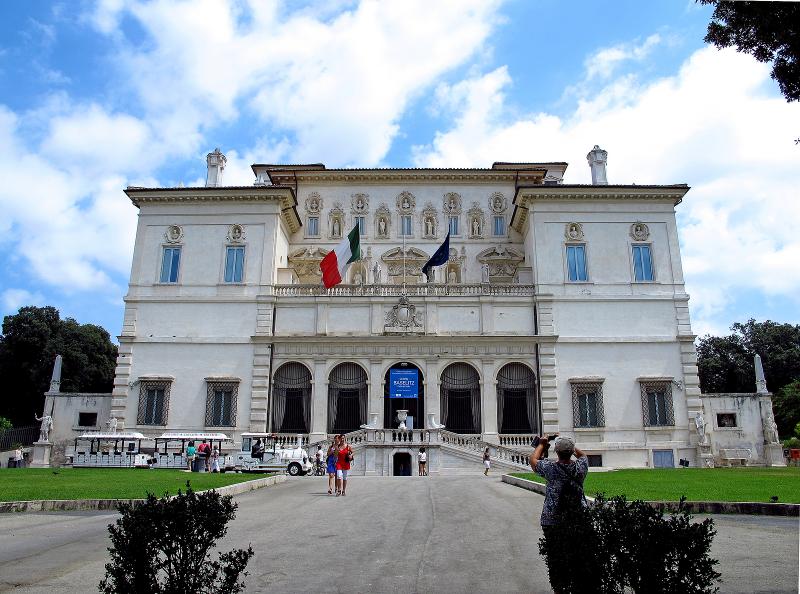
275 458
170 447
120 450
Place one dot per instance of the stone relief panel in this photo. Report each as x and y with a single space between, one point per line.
406 203
235 234
359 204
640 231
414 260
336 221
573 232
305 263
313 203
497 203
451 203
500 264
173 234
383 221
430 222
476 221
403 317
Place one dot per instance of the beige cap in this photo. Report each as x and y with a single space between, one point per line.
564 444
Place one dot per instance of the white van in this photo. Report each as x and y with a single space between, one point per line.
275 458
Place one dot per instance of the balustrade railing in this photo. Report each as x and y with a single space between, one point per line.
289 440
477 445
517 440
392 290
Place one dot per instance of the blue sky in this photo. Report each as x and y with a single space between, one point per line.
98 95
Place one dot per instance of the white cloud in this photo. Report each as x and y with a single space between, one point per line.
603 63
13 299
718 124
336 84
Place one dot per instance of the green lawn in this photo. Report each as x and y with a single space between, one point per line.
28 484
698 484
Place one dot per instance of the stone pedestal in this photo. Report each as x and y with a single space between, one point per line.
705 458
41 454
773 455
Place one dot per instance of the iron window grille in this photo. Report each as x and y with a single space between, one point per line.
153 402
221 398
657 408
587 405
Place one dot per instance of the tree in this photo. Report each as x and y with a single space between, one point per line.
30 341
725 363
769 31
786 405
164 546
5 424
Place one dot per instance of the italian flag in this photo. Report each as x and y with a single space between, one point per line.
335 262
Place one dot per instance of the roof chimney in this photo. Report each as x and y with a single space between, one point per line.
597 158
216 165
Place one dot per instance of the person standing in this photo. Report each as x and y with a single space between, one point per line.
191 452
17 458
344 456
423 462
330 463
204 452
562 501
487 464
215 460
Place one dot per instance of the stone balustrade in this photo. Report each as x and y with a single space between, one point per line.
392 290
517 441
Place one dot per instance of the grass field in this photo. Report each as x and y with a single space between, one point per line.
29 484
698 484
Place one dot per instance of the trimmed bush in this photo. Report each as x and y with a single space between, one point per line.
163 546
617 544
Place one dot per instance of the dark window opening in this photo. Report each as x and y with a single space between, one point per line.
595 460
401 465
87 419
293 417
726 420
459 413
515 412
347 414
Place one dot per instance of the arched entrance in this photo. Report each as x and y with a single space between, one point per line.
460 398
414 406
347 398
291 402
401 464
517 405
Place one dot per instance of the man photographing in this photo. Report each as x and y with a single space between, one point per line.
562 501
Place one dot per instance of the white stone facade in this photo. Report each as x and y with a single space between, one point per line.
204 330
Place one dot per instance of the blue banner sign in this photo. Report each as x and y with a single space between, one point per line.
403 383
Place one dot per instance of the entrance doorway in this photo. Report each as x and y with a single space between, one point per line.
414 406
402 464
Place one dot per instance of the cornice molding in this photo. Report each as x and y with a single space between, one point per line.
285 197
407 176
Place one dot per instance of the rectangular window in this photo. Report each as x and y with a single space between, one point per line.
87 419
313 226
405 225
221 403
595 460
170 262
657 404
499 225
726 420
587 404
153 402
642 263
576 263
361 225
453 225
234 264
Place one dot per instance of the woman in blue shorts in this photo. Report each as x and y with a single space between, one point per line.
330 462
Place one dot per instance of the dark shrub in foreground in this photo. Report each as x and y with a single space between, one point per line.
617 544
164 545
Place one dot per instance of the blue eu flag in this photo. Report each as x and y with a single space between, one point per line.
441 256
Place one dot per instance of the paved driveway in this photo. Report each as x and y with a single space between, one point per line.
437 534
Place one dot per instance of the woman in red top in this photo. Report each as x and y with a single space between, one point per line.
344 455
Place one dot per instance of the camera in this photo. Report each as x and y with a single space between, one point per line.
537 440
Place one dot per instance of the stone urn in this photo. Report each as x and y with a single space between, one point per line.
402 415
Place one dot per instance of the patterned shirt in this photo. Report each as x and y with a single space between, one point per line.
555 481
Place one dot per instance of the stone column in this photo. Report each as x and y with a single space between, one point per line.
375 405
319 407
489 402
432 383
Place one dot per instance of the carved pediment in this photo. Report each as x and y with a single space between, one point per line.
502 262
306 264
414 261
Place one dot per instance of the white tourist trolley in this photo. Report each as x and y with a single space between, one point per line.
170 448
276 458
109 450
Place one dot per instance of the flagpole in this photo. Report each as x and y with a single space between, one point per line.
403 232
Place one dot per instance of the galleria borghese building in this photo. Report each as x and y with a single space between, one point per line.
561 308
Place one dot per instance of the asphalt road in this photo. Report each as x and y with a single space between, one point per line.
398 534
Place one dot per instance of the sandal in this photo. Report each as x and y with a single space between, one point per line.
330 492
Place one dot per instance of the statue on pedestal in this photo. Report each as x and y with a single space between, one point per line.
770 429
45 428
376 274
700 425
485 273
